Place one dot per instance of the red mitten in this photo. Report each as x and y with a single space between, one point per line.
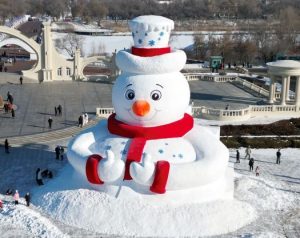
162 169
91 169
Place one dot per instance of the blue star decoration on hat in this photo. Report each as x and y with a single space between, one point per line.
151 42
140 41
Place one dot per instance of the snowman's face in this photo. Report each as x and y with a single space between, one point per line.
150 100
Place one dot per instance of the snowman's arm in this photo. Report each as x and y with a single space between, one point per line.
211 161
79 146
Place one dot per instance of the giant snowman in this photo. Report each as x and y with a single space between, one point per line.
151 146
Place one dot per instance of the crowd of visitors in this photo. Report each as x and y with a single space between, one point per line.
252 161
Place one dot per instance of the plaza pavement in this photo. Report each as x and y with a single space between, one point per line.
36 101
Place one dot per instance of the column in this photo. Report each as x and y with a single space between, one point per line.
297 91
288 82
283 90
271 91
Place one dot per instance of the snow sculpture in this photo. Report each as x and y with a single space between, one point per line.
151 144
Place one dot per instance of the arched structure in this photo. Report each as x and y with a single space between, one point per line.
50 64
16 41
282 71
33 72
83 62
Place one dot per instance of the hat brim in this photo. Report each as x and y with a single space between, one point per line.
166 63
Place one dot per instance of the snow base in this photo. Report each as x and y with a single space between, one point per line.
132 215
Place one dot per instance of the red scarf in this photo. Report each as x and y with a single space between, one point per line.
139 136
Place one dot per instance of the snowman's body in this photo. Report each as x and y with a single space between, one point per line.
174 150
150 97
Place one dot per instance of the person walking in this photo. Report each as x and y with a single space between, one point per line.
10 98
59 108
13 113
248 152
237 156
50 120
55 110
257 171
62 151
251 164
27 199
16 197
80 121
278 155
86 118
21 80
38 177
57 152
6 146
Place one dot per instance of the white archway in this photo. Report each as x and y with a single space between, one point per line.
18 42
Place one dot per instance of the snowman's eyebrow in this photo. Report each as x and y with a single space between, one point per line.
159 85
128 85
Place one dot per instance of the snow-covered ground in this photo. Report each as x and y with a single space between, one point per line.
264 206
110 44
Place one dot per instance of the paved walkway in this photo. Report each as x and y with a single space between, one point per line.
35 102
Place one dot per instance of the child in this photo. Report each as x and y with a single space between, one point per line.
16 197
257 171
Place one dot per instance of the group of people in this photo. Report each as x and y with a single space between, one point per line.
251 159
16 197
40 174
58 110
59 152
83 119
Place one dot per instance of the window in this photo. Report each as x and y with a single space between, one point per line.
59 72
68 71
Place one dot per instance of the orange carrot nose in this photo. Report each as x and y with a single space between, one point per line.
141 108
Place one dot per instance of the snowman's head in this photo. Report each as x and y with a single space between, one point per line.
150 100
151 91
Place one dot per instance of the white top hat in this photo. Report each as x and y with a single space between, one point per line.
151 31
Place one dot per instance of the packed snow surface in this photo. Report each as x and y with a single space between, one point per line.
264 206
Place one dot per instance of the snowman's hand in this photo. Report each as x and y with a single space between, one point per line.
143 173
110 168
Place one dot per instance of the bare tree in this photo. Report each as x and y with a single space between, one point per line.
69 43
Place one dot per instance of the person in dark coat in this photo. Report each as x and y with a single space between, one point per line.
251 164
62 151
10 98
6 146
57 152
59 108
27 199
80 121
55 110
237 156
50 120
278 155
21 80
13 113
6 107
38 177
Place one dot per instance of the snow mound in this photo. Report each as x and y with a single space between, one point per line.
100 212
29 220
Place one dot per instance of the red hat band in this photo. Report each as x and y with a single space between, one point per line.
149 52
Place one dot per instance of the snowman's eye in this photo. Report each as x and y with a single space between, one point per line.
129 94
155 95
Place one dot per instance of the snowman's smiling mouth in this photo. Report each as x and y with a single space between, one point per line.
141 118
